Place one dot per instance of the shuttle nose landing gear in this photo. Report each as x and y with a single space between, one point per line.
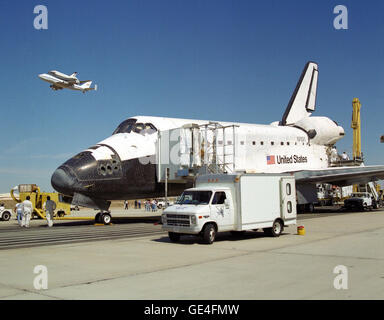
103 217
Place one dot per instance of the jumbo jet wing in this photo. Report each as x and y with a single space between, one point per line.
343 176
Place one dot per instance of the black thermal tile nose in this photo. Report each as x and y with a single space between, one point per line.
62 181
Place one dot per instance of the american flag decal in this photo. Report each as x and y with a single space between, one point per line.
270 159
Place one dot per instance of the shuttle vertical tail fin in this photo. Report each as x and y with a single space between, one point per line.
303 99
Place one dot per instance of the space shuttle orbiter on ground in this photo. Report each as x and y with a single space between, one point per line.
299 144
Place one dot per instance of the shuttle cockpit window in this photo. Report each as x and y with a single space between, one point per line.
131 125
126 126
138 127
144 128
150 128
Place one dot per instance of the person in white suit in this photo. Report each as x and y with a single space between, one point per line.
27 212
19 213
49 206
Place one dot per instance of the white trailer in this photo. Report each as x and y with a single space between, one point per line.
233 202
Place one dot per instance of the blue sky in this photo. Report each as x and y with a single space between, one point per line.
207 59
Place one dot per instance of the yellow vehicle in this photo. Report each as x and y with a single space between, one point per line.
38 198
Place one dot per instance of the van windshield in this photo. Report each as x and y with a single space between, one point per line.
195 197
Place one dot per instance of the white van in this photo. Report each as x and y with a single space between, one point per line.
233 202
5 214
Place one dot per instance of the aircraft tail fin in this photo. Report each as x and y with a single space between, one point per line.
303 99
73 74
86 86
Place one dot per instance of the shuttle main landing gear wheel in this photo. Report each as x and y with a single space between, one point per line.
103 217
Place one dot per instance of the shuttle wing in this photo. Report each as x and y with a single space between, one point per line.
343 176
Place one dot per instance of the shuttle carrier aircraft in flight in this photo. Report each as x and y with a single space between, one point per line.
116 168
59 81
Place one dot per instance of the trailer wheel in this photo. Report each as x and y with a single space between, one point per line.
276 230
209 233
174 237
105 218
6 216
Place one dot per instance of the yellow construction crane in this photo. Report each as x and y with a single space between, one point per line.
356 126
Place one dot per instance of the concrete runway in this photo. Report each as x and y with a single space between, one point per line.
135 260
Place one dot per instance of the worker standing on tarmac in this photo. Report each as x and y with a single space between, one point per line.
19 213
27 212
49 206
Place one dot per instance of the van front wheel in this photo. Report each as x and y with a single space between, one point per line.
6 216
209 233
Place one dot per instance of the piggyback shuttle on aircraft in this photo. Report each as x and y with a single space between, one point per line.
117 168
72 78
59 81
